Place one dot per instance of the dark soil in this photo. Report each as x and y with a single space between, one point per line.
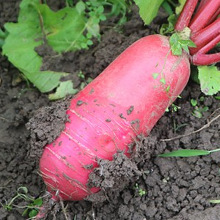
155 188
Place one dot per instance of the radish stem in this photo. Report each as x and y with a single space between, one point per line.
205 59
214 17
203 16
210 45
201 4
186 14
207 34
200 58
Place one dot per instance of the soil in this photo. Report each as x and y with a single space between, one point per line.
145 187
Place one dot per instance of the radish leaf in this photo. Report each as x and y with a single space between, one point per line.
19 48
179 42
180 7
168 28
65 88
62 30
68 29
209 77
148 9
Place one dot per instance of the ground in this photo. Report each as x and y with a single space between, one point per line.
160 188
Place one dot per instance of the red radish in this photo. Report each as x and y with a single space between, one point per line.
125 100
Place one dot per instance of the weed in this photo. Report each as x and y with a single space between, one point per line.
81 75
188 153
198 111
141 192
193 102
32 204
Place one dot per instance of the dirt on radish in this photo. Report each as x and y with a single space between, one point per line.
175 188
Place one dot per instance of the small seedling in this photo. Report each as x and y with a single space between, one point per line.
173 108
32 207
81 75
193 102
177 127
141 192
198 111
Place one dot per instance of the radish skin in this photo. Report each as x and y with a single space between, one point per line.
125 100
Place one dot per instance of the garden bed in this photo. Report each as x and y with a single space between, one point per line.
162 188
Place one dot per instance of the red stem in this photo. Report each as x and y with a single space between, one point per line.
203 16
202 37
201 4
214 17
205 59
186 14
200 58
210 45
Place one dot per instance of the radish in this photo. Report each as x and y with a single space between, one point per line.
125 100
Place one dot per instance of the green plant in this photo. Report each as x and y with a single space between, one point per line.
81 75
198 111
193 102
173 107
141 192
215 201
32 206
188 153
177 127
71 28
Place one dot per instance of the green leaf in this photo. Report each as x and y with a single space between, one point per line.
148 9
168 28
38 202
179 42
33 213
168 89
215 201
180 7
185 153
23 189
185 47
175 45
155 75
63 31
3 34
19 47
167 7
65 88
93 27
25 212
80 7
193 102
191 43
163 81
209 77
197 113
64 28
